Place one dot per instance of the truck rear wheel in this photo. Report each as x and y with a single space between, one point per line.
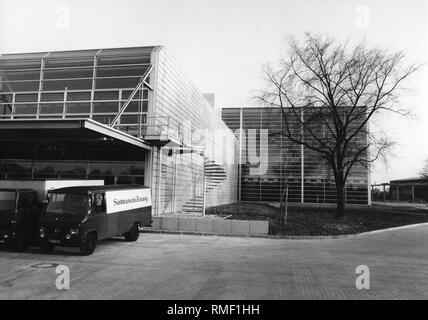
88 246
133 234
47 247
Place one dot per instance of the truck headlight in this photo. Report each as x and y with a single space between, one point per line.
74 232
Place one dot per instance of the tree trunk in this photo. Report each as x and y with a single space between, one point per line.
341 200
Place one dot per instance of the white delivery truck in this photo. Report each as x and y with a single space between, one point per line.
81 216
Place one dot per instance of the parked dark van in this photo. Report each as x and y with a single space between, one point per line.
81 216
19 211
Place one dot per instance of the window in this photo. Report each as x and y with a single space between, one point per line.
68 73
129 119
26 109
119 71
20 86
81 84
78 107
51 108
78 96
52 97
106 95
99 203
7 201
67 204
106 83
106 107
26 98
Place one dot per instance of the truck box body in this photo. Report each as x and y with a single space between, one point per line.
125 207
124 200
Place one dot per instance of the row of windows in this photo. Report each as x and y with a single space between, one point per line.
112 172
19 74
71 108
68 84
72 96
72 167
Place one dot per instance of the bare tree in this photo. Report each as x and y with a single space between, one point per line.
328 93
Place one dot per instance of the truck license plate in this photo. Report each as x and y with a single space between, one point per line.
54 241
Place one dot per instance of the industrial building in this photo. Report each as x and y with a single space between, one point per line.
411 191
269 162
125 115
131 115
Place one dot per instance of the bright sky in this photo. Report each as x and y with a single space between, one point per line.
222 44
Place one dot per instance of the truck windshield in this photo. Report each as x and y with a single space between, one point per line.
7 200
67 204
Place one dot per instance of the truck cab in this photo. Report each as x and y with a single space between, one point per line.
81 216
19 212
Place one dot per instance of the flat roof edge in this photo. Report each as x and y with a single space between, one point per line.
87 124
114 133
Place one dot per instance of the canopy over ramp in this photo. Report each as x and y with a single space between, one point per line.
67 138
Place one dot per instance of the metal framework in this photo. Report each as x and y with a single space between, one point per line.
122 110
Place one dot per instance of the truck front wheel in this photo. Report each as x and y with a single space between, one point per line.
88 246
133 234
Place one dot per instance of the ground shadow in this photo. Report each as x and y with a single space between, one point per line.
58 251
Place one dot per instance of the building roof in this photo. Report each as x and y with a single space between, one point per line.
410 180
89 53
65 129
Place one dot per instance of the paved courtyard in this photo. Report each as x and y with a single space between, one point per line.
161 266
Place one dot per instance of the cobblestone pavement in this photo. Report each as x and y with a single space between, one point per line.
161 266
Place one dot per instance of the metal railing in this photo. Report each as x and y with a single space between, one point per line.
62 107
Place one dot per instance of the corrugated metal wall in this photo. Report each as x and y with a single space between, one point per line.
176 97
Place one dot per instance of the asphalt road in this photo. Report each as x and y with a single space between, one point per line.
161 266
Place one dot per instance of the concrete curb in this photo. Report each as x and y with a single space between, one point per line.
345 236
202 225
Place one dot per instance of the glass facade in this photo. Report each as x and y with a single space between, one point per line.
112 172
269 161
76 84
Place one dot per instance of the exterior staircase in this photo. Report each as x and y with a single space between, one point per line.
215 174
